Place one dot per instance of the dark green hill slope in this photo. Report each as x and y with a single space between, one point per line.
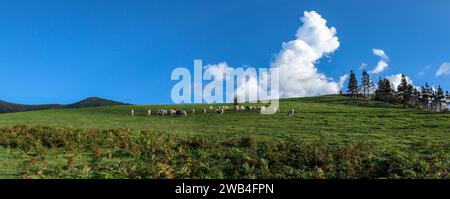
8 107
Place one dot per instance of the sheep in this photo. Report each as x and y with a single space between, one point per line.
193 111
204 110
132 112
161 112
242 108
149 112
291 112
183 113
262 108
172 112
211 108
219 111
236 107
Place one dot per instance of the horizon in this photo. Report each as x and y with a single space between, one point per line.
62 52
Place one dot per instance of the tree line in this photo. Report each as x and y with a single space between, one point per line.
405 94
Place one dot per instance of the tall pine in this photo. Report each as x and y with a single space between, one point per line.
366 84
405 91
352 85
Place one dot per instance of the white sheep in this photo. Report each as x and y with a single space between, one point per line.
172 112
291 112
204 110
132 112
162 112
193 111
183 113
219 111
149 112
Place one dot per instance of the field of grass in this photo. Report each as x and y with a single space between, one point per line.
408 142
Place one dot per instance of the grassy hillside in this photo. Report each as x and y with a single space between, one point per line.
333 119
329 121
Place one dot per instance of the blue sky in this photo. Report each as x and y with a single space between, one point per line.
63 51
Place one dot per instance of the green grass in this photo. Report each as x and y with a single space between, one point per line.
330 120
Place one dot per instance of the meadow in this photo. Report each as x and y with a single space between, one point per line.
329 137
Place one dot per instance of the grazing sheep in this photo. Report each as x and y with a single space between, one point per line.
236 107
132 112
219 111
247 107
291 112
211 108
193 111
242 108
262 108
161 112
149 112
204 110
172 112
183 113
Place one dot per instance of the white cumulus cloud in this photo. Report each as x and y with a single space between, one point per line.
443 70
382 64
342 80
297 60
380 53
299 75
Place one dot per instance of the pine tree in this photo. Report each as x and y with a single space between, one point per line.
416 98
404 91
366 84
439 99
447 101
425 95
384 92
352 85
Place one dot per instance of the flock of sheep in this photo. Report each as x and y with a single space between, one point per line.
218 110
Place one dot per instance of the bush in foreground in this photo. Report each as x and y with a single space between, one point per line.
48 152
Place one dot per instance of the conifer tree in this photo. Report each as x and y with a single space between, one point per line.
353 85
366 84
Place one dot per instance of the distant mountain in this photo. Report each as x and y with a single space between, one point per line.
8 107
93 102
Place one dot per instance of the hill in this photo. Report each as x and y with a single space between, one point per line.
8 107
329 137
94 102
334 119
